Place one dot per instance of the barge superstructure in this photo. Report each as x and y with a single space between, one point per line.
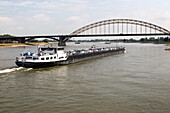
51 56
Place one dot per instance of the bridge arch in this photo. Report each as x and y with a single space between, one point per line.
120 26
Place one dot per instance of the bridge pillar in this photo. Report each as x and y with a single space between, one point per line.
61 41
21 40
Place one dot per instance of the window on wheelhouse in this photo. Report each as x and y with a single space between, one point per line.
34 58
28 57
61 57
60 48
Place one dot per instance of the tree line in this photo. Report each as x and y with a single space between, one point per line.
144 40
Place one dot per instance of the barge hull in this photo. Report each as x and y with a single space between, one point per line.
71 59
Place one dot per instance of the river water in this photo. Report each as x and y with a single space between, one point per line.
136 81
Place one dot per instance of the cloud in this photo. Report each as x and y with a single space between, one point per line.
75 22
78 19
125 0
41 17
6 20
64 16
5 3
73 18
49 6
78 8
153 16
20 28
46 5
7 25
12 3
76 1
24 3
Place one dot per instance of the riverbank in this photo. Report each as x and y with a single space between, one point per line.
167 49
40 43
8 45
167 44
12 45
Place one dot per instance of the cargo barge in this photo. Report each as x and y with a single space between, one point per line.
51 56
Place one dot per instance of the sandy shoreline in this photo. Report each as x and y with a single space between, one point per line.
21 45
33 44
168 44
11 46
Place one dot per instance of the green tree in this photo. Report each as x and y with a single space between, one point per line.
166 39
6 35
46 40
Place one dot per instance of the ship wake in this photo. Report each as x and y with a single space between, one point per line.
13 69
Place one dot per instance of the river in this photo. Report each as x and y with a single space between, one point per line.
136 81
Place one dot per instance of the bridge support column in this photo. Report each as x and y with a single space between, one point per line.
61 41
21 40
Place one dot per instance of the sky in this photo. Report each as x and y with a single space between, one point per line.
49 17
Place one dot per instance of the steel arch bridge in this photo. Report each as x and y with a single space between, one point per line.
112 27
121 26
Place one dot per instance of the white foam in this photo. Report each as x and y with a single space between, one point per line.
10 70
28 69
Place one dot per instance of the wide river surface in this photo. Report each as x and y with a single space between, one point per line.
136 81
